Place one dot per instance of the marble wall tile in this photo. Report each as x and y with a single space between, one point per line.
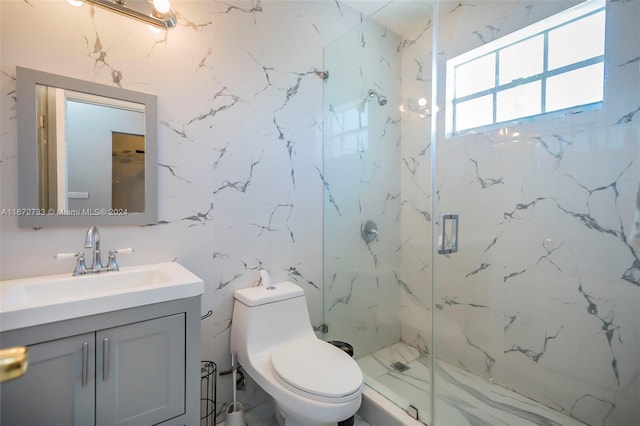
361 176
542 299
240 131
540 296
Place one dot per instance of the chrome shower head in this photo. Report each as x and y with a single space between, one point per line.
382 101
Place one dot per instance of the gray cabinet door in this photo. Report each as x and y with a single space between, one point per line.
140 372
58 387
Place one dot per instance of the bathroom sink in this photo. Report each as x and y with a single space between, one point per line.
32 301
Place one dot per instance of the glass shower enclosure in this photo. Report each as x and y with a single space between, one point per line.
481 238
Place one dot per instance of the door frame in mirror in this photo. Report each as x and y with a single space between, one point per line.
28 211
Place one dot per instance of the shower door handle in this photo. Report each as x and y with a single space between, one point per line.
448 239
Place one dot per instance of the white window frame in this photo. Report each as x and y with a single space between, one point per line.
541 28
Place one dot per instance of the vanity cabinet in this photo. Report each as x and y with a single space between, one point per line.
138 377
137 367
52 390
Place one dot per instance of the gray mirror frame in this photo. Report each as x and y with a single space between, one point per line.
27 79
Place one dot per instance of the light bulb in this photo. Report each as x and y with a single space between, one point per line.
422 102
161 6
75 3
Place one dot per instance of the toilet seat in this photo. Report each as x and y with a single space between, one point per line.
317 370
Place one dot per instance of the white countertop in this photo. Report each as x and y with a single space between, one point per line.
33 301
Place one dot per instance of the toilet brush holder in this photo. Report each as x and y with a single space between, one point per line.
235 415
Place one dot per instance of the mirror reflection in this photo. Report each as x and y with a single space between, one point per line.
91 151
87 152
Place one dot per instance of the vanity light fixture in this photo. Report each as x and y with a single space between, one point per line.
159 16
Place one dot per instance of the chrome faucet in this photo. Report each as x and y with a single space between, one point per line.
92 240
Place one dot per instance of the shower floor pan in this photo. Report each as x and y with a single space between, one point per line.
464 399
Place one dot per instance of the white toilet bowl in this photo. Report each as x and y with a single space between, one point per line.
311 381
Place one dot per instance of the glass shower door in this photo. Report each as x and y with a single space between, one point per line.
376 199
537 150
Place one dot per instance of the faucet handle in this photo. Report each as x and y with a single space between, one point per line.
112 264
61 256
81 266
127 250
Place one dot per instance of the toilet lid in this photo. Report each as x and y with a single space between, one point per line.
317 367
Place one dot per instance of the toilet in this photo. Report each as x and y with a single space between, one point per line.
311 381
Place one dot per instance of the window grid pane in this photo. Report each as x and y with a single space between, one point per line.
522 59
474 113
530 77
475 76
579 87
576 41
520 101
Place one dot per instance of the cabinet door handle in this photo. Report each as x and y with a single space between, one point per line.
105 359
85 363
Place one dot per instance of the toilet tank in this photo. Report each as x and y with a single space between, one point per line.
264 318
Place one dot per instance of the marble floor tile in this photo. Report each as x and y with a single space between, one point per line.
398 352
462 399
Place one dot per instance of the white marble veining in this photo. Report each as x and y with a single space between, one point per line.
543 295
239 131
462 398
362 182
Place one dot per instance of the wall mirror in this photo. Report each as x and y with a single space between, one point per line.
87 153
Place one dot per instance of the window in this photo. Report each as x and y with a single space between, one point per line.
347 129
552 65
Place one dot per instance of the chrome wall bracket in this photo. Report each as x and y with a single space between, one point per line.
322 74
